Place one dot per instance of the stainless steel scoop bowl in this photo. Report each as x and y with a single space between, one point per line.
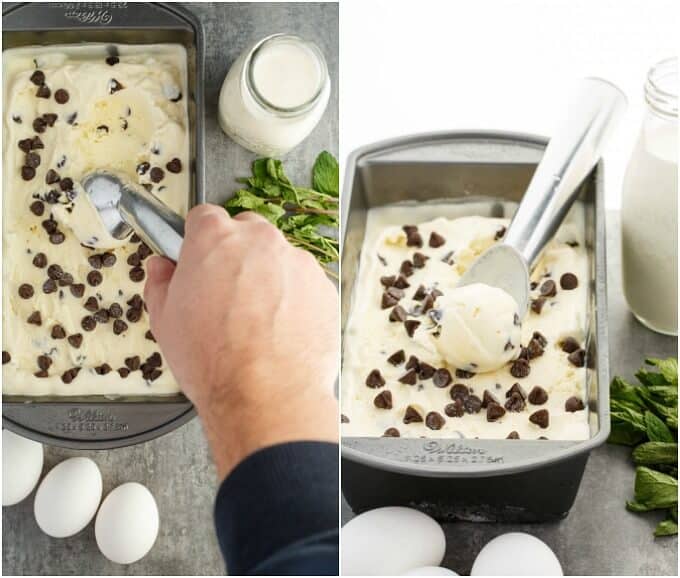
125 207
595 110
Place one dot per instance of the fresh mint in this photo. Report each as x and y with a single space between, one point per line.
307 216
645 415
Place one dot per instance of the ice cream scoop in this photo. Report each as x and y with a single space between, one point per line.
123 207
480 328
568 159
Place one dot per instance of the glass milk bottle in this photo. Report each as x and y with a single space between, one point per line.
274 94
649 214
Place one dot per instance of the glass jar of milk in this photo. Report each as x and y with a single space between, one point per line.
274 94
649 214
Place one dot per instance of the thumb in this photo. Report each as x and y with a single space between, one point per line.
159 273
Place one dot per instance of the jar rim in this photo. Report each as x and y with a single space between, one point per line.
661 98
248 74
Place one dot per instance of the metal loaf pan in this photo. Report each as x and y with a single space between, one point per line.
97 422
482 480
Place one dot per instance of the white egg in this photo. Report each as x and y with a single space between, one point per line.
22 462
430 571
391 541
127 523
516 554
68 497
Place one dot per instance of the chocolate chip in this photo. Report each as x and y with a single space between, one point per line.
94 278
534 349
395 293
388 281
398 314
148 335
133 315
26 291
52 197
44 362
419 260
134 260
66 280
548 288
574 404
103 369
115 310
411 326
102 129
101 316
541 418
472 404
401 282
413 238
123 372
436 240
52 177
155 359
406 269
513 435
6 357
174 166
133 363
50 118
95 261
119 326
57 238
55 272
37 208
115 86
462 374
77 289
156 175
420 293
569 345
88 323
35 318
32 160
397 358
412 363
520 368
43 91
411 415
391 432
383 400
112 60
537 305
16 118
25 145
27 173
577 358
409 378
489 398
499 234
425 370
137 274
434 420
49 286
533 285
568 281
58 332
75 340
69 375
142 168
442 377
538 395
71 118
38 77
494 412
344 418
144 250
152 374
177 98
36 143
455 409
459 391
515 402
40 260
516 388
375 379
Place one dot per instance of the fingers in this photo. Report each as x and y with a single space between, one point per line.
206 221
250 216
159 273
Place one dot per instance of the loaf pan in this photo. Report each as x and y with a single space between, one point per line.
97 422
470 479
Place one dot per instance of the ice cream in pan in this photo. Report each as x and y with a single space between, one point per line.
73 313
475 327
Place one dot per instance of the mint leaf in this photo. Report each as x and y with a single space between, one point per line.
654 489
651 453
668 368
326 174
657 431
666 528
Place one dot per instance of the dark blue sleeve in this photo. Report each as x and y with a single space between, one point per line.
277 512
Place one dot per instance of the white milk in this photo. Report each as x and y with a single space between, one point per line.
649 222
274 95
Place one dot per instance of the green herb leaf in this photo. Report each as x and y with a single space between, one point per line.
654 489
651 453
657 431
668 368
326 174
666 528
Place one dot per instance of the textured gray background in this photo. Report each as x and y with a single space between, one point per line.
177 468
599 536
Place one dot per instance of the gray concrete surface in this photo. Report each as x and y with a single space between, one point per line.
177 468
599 537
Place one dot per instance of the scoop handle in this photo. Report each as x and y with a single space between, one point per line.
159 227
571 154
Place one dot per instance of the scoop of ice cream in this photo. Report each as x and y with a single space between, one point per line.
480 327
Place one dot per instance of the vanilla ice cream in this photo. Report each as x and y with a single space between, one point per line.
73 315
480 327
423 357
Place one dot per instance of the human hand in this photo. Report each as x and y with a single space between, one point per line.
249 327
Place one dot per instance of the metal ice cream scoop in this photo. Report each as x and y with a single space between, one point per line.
568 159
125 207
